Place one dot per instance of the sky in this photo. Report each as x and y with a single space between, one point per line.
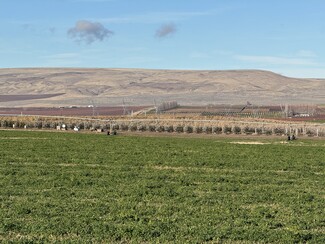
283 36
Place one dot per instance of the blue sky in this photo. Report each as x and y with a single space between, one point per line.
284 36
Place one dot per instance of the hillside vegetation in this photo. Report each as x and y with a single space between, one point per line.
143 87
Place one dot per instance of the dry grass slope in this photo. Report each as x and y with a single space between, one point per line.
140 86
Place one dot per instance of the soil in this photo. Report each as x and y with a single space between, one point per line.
71 111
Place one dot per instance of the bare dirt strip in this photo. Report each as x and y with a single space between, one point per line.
71 111
10 98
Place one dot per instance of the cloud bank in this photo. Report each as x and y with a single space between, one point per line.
166 30
89 32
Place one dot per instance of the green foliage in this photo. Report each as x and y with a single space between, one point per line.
74 187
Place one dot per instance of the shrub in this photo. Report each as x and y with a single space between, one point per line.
179 129
310 133
151 128
105 127
169 128
96 126
249 130
30 125
279 131
133 127
259 131
54 124
87 125
20 124
227 130
142 128
38 124
72 126
10 123
237 130
115 127
124 127
160 128
321 133
217 129
207 129
198 129
268 132
81 126
188 129
4 123
46 125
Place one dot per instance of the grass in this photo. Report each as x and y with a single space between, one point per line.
94 188
318 121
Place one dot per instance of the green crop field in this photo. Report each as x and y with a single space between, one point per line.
95 188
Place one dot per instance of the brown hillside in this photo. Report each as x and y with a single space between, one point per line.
140 86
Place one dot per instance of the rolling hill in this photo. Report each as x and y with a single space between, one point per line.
74 86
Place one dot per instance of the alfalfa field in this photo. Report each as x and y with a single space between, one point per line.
119 189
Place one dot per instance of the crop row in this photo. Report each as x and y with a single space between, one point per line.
170 126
